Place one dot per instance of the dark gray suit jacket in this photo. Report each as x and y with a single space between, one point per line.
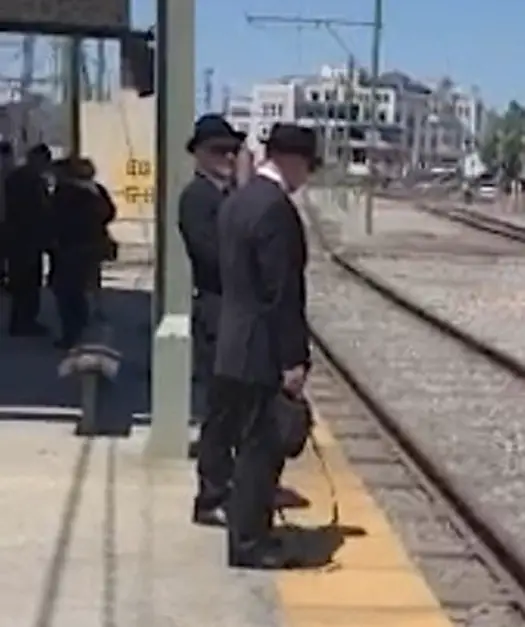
263 254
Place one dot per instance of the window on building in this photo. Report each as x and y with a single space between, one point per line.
280 110
314 96
263 132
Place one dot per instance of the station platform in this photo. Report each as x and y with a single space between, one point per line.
92 533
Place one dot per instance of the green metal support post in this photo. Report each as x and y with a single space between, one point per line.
171 345
372 178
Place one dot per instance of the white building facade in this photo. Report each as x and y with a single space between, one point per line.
418 124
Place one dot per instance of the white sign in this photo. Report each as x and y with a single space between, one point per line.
77 13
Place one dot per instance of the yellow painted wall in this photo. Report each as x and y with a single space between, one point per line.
120 138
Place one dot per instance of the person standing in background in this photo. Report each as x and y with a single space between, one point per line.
79 216
7 164
27 235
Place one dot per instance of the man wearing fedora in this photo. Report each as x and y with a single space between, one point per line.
214 146
262 345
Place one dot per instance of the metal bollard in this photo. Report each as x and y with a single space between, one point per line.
93 364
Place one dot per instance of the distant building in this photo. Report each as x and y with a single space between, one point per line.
419 124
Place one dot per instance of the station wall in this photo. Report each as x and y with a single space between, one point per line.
120 138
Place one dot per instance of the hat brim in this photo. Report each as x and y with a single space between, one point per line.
238 137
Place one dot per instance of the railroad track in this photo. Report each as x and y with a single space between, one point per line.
475 566
476 220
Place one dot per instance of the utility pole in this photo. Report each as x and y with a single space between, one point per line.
100 84
26 81
171 368
208 89
347 130
75 94
376 50
226 97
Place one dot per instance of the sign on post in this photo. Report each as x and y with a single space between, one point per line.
139 188
77 14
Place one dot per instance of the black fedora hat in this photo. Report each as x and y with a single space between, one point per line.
213 126
293 139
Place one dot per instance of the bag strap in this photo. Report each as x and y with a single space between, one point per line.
325 470
317 449
334 502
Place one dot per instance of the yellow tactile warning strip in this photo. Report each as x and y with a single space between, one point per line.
371 581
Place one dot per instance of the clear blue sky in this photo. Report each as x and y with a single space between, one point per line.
478 42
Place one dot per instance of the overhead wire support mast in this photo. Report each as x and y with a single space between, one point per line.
376 50
329 25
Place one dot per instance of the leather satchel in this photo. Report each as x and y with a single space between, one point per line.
295 422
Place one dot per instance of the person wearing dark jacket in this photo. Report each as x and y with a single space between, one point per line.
7 165
26 233
262 344
80 214
214 145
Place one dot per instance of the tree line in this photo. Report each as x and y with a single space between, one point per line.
503 147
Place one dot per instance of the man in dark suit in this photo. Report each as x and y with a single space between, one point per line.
262 345
214 145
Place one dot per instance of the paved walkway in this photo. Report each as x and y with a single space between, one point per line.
92 535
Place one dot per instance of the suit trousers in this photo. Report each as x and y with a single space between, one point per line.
204 320
241 418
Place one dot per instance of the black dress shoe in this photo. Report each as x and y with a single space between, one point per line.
270 556
210 517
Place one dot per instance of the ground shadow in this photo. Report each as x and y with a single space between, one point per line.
316 547
29 366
